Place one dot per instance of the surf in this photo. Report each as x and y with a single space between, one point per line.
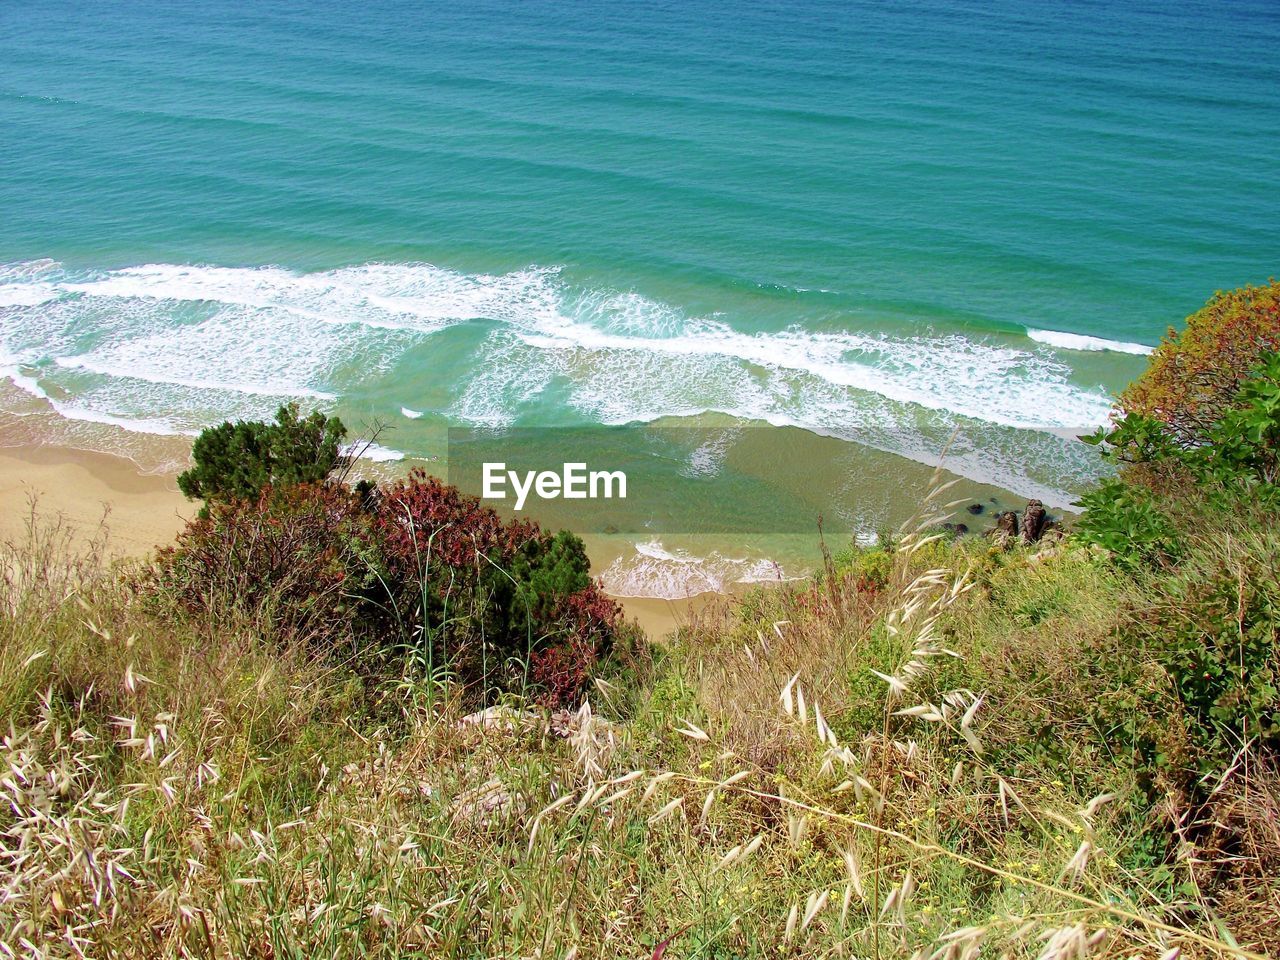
201 342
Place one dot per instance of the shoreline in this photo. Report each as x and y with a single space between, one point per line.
140 511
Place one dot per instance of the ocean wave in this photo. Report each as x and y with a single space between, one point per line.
203 342
1077 341
147 370
408 296
373 452
654 571
1000 385
155 426
26 295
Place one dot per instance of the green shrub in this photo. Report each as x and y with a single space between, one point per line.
236 461
1126 520
1213 629
1237 459
1195 375
870 567
1244 445
1192 675
491 598
419 578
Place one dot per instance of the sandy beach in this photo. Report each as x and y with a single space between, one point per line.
140 511
90 490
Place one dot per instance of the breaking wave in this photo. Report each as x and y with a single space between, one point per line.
1077 341
165 347
654 571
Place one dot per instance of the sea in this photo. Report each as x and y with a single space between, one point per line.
849 239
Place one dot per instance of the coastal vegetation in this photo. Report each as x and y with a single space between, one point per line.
385 722
235 461
413 582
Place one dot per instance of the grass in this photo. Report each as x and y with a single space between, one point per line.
905 765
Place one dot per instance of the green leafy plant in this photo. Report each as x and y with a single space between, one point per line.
420 580
1245 444
1194 376
1195 676
1238 456
235 461
1126 520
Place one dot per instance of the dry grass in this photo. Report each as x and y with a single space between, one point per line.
807 781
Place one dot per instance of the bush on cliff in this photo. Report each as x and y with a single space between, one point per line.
1237 460
1195 375
491 598
301 561
235 461
420 577
1190 522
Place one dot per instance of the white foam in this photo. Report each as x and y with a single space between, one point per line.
411 414
155 372
1077 341
708 458
201 343
157 426
26 270
986 382
1000 385
26 295
654 571
373 452
10 368
412 296
506 378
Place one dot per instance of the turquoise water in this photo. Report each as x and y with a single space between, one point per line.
874 221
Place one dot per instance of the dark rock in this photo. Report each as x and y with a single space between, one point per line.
1006 529
1033 520
975 508
1052 532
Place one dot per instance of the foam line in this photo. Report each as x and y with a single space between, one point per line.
188 340
1077 341
654 571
